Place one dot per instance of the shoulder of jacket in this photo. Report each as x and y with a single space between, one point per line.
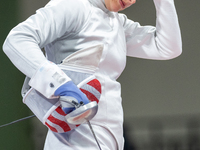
70 9
74 4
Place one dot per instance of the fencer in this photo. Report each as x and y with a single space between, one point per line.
94 28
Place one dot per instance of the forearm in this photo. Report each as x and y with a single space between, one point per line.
23 52
168 35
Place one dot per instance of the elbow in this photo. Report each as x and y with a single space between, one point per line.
172 52
176 51
8 46
179 52
11 44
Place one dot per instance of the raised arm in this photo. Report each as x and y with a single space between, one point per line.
161 42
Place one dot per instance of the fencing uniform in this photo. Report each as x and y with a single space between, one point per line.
64 27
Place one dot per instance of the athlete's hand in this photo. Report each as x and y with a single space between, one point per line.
70 95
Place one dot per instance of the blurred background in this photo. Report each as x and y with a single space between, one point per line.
161 99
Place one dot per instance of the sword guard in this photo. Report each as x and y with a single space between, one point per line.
82 113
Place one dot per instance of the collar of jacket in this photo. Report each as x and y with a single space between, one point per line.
100 4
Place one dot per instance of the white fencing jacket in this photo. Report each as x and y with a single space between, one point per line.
63 27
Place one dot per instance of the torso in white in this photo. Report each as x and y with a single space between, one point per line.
66 26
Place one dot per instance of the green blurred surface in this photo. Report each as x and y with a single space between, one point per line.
16 136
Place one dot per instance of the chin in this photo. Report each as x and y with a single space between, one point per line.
114 9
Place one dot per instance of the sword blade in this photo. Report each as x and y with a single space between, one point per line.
93 134
4 125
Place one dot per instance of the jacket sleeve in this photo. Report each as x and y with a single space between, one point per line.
24 42
161 42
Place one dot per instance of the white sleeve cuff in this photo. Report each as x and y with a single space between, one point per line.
48 78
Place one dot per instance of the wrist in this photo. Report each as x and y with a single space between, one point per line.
48 78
